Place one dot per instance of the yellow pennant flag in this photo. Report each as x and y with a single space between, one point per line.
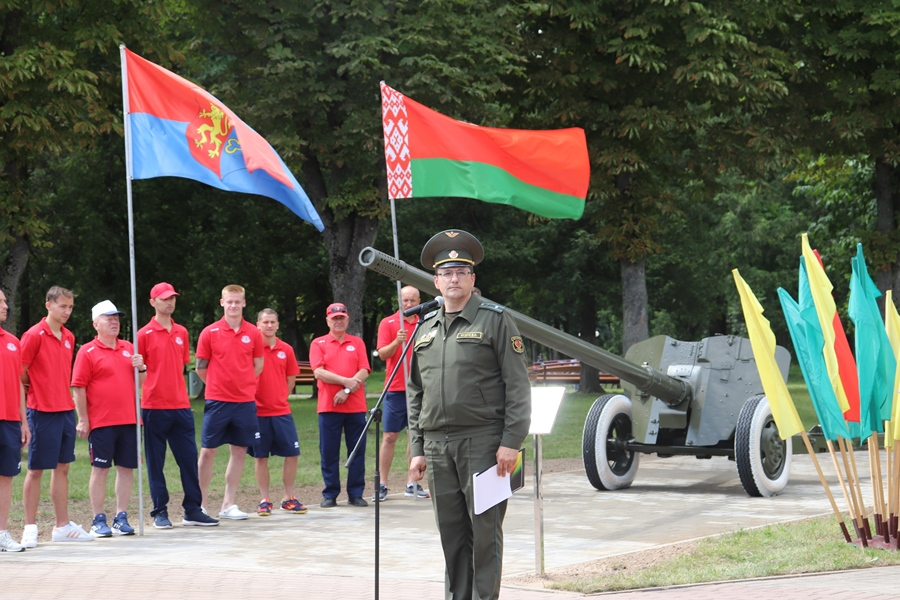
821 287
892 326
763 342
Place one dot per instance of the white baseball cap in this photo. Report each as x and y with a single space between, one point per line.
105 308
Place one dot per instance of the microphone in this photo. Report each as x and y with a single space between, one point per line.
424 308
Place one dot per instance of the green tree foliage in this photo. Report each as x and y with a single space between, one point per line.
307 74
667 91
846 94
58 76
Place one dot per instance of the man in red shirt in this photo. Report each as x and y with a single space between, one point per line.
103 386
341 365
277 431
166 411
393 331
229 360
14 431
47 351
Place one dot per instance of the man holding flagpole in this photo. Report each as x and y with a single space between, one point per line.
166 411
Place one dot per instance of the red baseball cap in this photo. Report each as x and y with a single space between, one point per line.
163 290
336 310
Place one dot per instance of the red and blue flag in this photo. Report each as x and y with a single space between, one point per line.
178 129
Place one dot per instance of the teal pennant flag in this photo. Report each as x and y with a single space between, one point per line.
875 360
806 333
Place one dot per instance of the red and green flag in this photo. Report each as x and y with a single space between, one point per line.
545 172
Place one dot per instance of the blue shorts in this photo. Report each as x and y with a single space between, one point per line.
10 448
232 423
277 437
52 439
114 443
394 416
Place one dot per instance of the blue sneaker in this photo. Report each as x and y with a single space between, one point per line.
161 520
120 525
99 528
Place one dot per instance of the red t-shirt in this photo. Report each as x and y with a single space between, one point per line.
108 378
230 377
10 373
165 354
343 358
271 387
49 364
387 333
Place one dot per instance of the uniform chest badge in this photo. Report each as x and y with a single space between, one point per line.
178 340
518 345
469 335
351 348
11 347
281 354
245 339
68 345
126 353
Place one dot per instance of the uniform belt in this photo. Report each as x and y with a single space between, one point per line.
447 435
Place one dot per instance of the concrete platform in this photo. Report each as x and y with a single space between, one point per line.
329 553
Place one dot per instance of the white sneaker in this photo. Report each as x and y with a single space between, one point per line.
7 544
70 533
233 512
29 536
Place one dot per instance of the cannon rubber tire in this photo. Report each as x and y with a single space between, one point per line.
763 459
608 467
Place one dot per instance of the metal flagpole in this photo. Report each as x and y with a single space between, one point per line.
134 323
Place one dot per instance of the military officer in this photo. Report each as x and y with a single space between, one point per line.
470 408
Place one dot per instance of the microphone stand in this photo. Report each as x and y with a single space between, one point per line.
375 415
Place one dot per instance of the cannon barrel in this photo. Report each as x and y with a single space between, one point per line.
647 380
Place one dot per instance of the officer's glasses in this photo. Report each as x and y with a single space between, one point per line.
459 274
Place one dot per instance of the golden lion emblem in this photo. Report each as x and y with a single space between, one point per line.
215 132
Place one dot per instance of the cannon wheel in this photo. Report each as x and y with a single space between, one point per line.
763 459
608 463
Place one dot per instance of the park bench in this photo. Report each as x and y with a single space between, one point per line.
306 376
564 371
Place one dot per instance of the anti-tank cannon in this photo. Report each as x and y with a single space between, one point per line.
701 399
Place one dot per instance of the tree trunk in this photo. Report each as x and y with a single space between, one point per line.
886 279
634 303
587 325
10 275
344 239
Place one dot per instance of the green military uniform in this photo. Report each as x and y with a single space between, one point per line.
469 394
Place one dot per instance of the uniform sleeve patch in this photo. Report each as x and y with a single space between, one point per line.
518 345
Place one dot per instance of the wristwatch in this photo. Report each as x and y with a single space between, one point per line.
347 390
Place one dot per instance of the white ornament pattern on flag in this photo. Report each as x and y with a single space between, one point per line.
396 143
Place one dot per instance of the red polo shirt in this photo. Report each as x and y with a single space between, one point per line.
230 377
343 358
10 372
108 378
49 363
165 354
271 387
387 333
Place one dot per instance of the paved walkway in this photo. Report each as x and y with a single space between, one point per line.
329 553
